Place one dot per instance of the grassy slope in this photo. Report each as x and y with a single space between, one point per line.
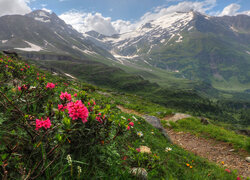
106 161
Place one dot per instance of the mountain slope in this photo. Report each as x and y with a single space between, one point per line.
45 33
214 50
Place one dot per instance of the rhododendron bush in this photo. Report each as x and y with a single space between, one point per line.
48 117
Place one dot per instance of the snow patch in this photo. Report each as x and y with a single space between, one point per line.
42 19
4 41
180 38
190 28
32 47
85 51
43 14
60 36
233 28
163 40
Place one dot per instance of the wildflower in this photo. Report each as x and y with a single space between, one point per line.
75 95
187 165
50 86
228 170
79 169
61 107
65 96
222 162
128 128
139 134
191 167
238 178
43 123
145 149
168 149
21 69
124 158
69 159
138 149
129 119
152 133
78 110
19 88
123 117
134 118
98 118
131 124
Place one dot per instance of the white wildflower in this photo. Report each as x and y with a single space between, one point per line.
134 118
79 169
140 134
123 117
69 159
152 133
168 149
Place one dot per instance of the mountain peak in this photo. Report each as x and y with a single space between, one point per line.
41 15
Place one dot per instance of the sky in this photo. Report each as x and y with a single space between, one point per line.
120 16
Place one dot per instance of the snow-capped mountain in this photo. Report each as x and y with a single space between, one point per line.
44 32
191 44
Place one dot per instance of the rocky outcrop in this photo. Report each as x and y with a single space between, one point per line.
154 121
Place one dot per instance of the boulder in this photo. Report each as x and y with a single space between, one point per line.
156 122
204 121
248 159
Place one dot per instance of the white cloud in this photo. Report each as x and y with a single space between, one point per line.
122 26
84 22
47 10
8 7
184 6
230 10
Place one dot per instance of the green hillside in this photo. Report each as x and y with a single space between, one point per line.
90 139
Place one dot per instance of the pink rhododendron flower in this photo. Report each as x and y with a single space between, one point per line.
138 149
43 123
22 69
65 96
128 128
228 170
61 107
131 124
238 178
75 94
98 118
77 110
22 87
50 86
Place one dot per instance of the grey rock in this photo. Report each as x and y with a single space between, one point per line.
140 173
204 121
154 121
248 159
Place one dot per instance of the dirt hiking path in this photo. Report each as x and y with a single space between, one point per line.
213 150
